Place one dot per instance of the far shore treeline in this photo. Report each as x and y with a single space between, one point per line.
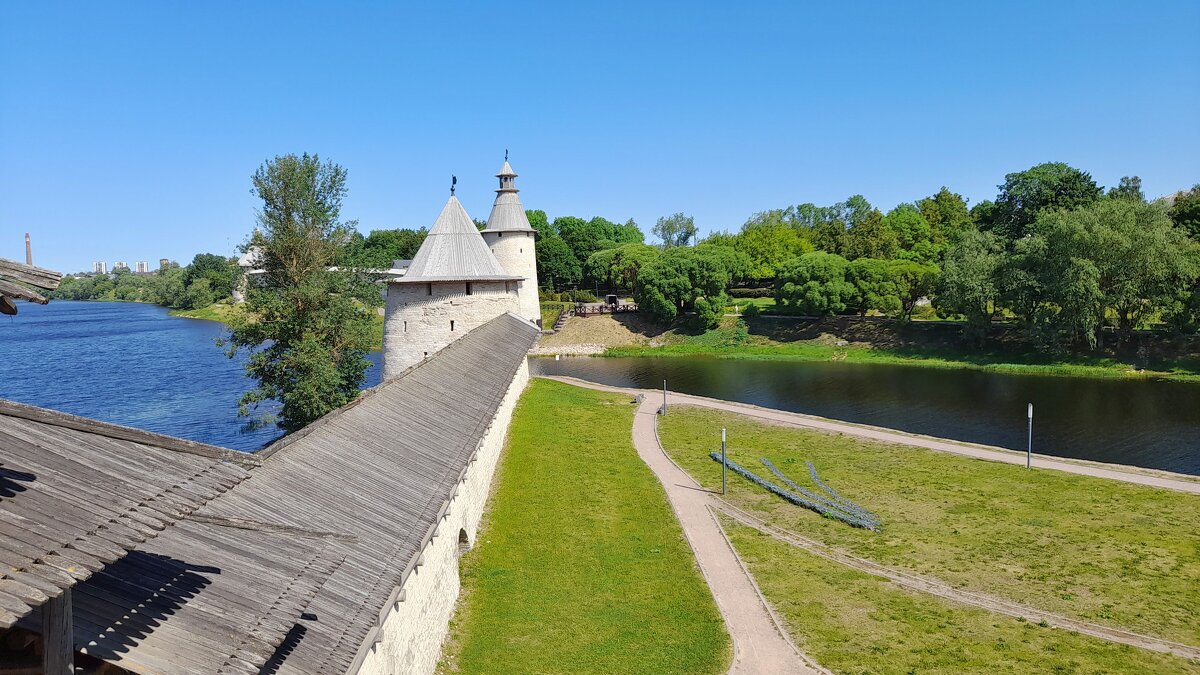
1054 254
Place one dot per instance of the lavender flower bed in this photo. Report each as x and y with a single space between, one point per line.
838 502
836 514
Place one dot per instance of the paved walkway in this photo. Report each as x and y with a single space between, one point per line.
1128 474
759 643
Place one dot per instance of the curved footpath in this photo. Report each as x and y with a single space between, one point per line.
1128 474
760 643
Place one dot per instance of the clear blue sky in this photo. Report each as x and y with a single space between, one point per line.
129 131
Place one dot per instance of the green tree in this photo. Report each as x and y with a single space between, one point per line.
874 285
221 273
1025 194
557 266
675 230
674 280
815 284
1130 188
1185 212
768 246
914 235
199 294
538 221
968 285
947 214
872 237
307 330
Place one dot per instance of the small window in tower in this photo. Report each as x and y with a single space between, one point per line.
428 289
500 234
405 326
468 288
451 325
426 354
522 250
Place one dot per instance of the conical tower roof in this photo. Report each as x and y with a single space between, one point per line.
508 215
454 251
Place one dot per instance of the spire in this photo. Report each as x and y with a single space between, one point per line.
507 212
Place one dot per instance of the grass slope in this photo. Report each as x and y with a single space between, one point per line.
1104 551
581 565
852 622
731 342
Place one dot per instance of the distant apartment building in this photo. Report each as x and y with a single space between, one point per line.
120 265
142 267
163 263
100 267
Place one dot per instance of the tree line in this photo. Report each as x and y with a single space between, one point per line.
1053 253
207 279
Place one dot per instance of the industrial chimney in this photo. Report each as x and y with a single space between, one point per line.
28 251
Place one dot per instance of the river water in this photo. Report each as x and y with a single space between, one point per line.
134 364
130 364
1142 422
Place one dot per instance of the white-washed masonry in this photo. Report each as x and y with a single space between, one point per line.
421 319
414 625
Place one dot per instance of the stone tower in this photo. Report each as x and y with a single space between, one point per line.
453 285
511 239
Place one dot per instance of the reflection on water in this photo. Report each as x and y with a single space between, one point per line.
129 364
1140 422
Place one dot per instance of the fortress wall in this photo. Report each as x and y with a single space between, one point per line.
411 637
417 324
515 252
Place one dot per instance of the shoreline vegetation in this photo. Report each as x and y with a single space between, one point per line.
849 340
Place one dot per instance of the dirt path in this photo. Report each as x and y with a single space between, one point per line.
677 481
1128 474
760 644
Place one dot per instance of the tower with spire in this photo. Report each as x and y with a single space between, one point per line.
511 240
453 285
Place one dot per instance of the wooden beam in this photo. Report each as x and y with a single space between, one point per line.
8 288
36 276
58 636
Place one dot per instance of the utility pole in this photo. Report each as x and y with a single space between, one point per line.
664 398
1029 449
722 461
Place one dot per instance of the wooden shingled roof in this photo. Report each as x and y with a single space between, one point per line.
189 558
77 495
29 276
382 471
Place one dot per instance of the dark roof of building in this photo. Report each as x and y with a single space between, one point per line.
381 470
285 568
77 495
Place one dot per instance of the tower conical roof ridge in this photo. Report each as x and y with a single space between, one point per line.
454 251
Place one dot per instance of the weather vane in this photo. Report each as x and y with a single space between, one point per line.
453 182
506 154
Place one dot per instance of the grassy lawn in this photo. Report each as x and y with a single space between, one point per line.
580 564
1103 551
729 341
852 622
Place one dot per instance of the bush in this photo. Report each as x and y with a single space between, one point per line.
750 292
708 313
751 311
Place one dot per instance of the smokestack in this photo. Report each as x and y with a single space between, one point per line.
28 251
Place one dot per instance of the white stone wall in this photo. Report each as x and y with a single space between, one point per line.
416 324
517 255
411 637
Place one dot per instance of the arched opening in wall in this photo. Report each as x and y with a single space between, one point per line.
464 543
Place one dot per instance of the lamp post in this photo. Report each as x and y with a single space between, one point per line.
1029 448
664 398
722 461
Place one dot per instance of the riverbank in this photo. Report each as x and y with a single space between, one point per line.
844 339
222 312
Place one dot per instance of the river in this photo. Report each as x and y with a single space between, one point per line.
1140 422
131 364
134 364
